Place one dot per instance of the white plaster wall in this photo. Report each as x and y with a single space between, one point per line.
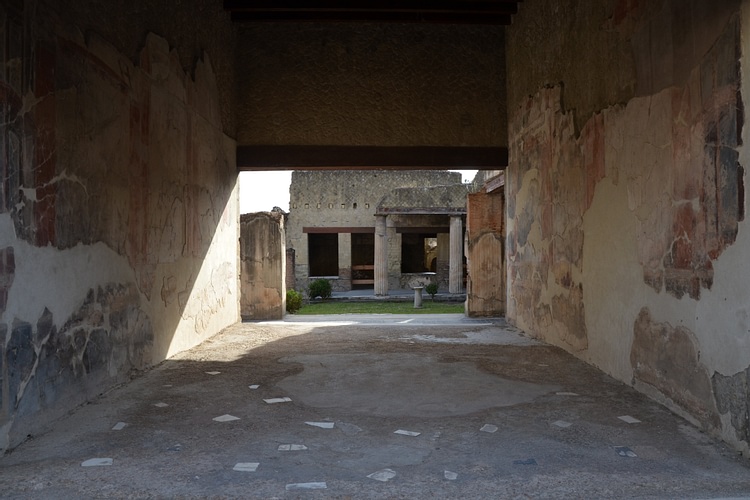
656 167
213 302
145 225
722 317
39 269
615 291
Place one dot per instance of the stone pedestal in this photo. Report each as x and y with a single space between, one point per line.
418 297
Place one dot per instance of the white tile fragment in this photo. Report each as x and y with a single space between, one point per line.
322 425
119 426
383 475
562 424
292 447
624 451
566 394
278 400
306 486
254 386
629 420
97 462
489 428
161 405
450 476
407 433
226 418
246 466
213 373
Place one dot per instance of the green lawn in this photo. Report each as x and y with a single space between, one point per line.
377 307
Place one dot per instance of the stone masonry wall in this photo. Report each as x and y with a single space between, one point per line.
363 84
118 212
627 238
348 199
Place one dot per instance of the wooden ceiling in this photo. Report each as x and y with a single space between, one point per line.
479 12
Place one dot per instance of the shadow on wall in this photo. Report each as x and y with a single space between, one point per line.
118 223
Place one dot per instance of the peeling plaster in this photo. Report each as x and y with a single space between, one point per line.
37 267
101 213
733 401
668 359
665 231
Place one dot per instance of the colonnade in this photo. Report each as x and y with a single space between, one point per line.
455 277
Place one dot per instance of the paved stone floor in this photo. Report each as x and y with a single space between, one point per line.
373 407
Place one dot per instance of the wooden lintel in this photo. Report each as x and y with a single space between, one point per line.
329 230
479 12
495 183
423 230
421 211
478 18
295 157
498 6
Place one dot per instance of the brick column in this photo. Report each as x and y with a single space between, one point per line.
381 256
455 280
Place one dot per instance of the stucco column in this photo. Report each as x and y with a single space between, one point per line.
381 256
455 278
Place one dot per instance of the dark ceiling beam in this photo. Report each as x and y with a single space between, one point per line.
408 11
371 17
497 6
371 158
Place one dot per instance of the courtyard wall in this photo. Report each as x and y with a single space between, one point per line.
349 199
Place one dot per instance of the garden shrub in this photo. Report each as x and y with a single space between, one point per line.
293 301
319 288
432 289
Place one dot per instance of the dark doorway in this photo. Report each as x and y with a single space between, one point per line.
363 261
323 254
415 252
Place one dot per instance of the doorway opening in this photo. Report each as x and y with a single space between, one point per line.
363 261
418 252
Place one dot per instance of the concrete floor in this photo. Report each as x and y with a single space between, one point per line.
498 416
